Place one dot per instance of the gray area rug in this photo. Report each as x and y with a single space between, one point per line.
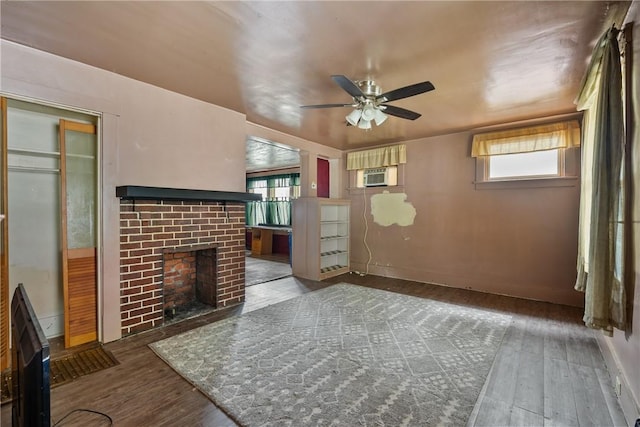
260 271
345 355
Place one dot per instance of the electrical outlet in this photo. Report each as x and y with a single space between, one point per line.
618 386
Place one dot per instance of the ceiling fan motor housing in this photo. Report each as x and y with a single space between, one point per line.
369 88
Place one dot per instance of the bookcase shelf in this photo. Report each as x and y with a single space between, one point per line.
320 237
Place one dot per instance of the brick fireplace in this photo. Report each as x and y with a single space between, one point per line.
153 232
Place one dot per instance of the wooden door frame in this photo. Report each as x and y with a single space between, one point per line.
4 253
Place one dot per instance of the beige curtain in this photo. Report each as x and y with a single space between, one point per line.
378 157
525 140
601 234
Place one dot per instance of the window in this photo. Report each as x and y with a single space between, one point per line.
392 158
531 153
263 191
529 165
275 206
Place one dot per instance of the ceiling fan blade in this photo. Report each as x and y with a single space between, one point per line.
400 112
407 91
326 105
350 87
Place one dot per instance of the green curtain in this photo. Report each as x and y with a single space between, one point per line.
601 253
256 213
279 212
272 212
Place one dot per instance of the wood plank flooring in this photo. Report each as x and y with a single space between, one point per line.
548 371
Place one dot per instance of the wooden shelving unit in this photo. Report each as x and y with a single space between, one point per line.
320 237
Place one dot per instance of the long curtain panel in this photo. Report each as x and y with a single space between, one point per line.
601 235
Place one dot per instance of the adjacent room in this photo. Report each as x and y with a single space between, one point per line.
336 213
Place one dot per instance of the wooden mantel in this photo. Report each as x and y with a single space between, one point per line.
131 192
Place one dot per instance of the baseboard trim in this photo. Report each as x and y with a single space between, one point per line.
630 408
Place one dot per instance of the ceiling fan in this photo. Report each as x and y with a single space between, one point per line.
371 105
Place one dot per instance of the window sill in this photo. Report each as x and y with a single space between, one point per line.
504 184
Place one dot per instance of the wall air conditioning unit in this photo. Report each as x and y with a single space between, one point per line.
376 177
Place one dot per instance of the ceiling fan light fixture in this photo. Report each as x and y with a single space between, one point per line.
368 112
379 117
354 116
364 124
370 103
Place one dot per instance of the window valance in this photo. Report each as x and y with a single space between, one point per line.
525 140
377 157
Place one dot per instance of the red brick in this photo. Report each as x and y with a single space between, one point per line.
159 315
152 301
182 208
154 208
141 282
130 306
141 252
141 327
151 288
140 311
130 322
162 236
127 246
173 215
150 215
131 276
139 267
151 244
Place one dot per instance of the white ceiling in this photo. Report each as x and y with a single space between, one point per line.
490 62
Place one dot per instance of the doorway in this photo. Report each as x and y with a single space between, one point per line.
49 236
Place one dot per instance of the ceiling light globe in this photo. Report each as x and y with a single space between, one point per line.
353 117
380 117
364 124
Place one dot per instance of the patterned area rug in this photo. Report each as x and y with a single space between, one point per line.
345 355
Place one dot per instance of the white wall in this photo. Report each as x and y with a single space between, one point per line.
150 136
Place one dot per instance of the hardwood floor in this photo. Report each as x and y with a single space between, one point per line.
548 371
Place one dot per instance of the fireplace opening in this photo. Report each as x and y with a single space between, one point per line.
189 282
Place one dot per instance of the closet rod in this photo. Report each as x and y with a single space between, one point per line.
29 151
47 153
32 169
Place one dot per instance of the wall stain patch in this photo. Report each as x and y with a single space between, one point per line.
392 208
